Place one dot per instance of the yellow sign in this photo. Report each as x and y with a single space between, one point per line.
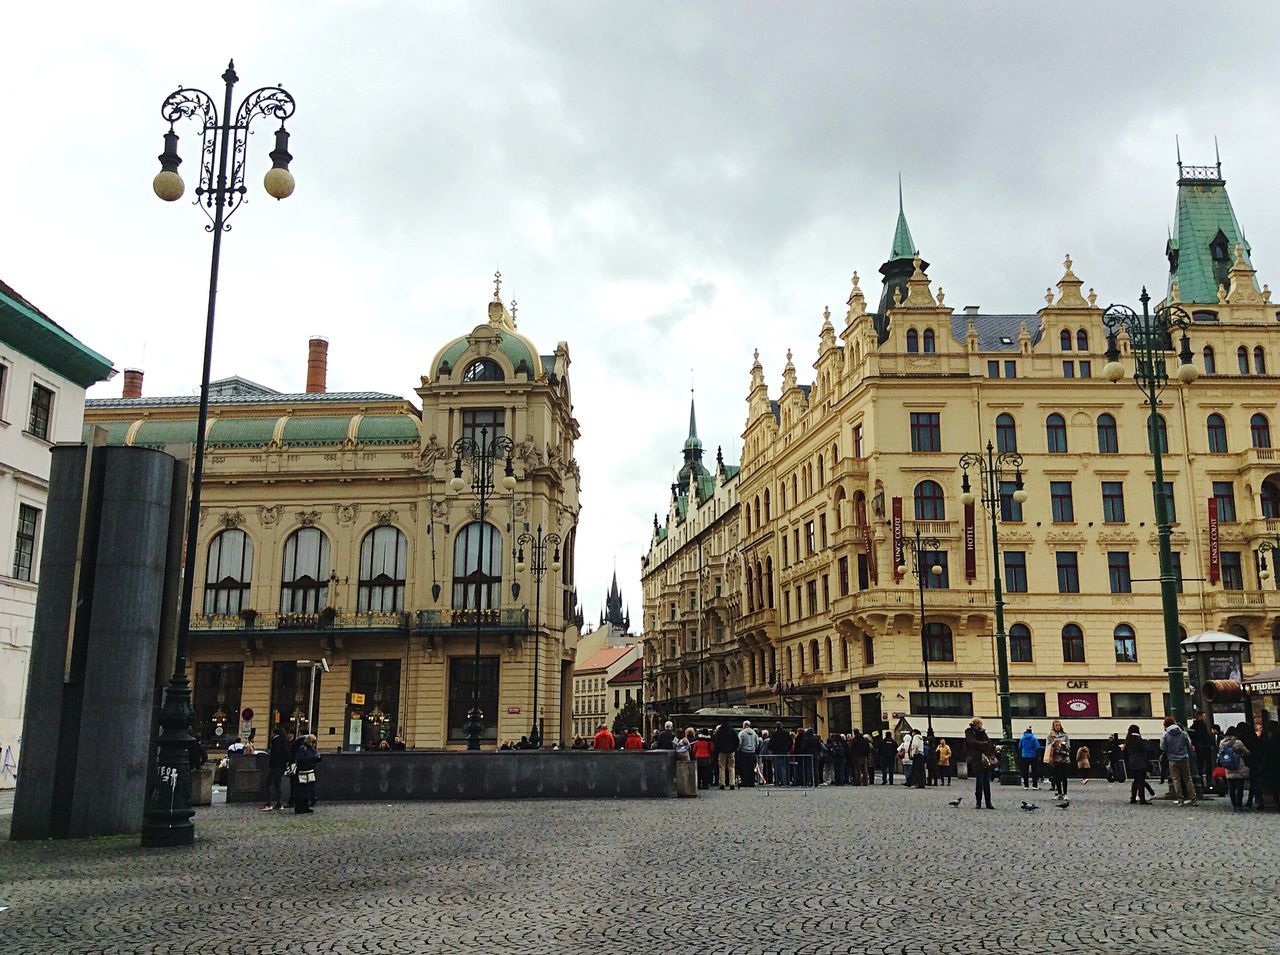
357 699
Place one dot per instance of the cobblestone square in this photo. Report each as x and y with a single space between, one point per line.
830 870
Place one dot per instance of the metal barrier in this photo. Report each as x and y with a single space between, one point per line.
786 772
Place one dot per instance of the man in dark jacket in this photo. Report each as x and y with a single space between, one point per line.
838 753
725 741
277 760
1202 743
859 753
811 769
666 737
888 759
780 754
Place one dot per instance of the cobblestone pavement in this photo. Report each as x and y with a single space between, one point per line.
832 870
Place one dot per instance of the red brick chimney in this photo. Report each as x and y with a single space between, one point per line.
317 365
132 383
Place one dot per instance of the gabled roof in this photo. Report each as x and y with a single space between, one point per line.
633 672
602 660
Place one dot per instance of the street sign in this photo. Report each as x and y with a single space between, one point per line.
357 699
246 714
513 710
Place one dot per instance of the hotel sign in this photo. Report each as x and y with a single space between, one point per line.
899 558
1215 549
970 544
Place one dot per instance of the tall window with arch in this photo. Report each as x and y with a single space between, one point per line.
822 472
477 567
1082 340
1064 339
1055 427
1126 644
913 341
1158 437
1242 360
483 369
304 579
1072 644
930 502
938 645
1216 429
1271 502
383 557
766 506
1260 431
1210 361
1259 360
930 342
751 597
228 572
1006 433
1020 643
1108 438
768 581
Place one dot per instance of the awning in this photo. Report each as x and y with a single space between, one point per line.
1263 684
1098 728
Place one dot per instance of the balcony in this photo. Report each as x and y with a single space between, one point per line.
766 619
1260 602
850 467
327 619
505 619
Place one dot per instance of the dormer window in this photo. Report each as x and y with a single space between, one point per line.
483 369
1006 340
1218 247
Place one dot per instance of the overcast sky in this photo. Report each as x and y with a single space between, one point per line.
665 186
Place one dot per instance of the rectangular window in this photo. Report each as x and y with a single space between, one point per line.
462 673
993 369
24 548
809 537
864 574
822 530
942 704
1130 705
1113 502
4 377
795 539
799 603
868 650
1232 571
1010 510
1224 493
1068 369
489 420
1068 572
1170 509
826 592
784 548
1118 571
926 431
1060 502
857 440
1027 705
41 411
379 681
1011 369
786 606
843 575
216 701
812 588
932 559
1086 369
1175 559
1015 571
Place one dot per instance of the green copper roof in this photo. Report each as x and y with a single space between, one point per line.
156 434
510 345
388 429
1203 211
42 339
116 431
692 441
241 432
904 247
313 431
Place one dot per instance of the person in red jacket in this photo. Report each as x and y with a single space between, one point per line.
702 752
603 739
634 740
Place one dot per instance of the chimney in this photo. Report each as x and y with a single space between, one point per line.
317 365
132 383
971 309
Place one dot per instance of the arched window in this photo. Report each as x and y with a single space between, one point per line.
766 505
304 580
938 646
831 660
913 340
1210 361
228 572
1270 499
751 595
1072 644
1159 436
1055 427
1217 430
483 369
844 653
930 346
840 502
1108 439
1006 433
1246 651
1082 340
835 455
383 557
768 581
1242 359
930 503
477 567
795 491
822 472
1064 339
791 668
759 585
815 664
757 524
1259 360
1260 431
1126 644
1020 643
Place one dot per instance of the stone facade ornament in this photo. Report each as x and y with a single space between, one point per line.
346 513
307 518
529 454
432 452
231 519
386 517
269 514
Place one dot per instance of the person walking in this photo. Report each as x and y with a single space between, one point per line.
945 767
725 741
1057 753
1137 761
702 753
603 739
980 753
1029 759
1084 764
888 755
277 761
304 783
1115 760
1175 744
748 744
1232 757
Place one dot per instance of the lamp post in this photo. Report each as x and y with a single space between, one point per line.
919 547
538 568
223 142
1150 338
991 469
480 456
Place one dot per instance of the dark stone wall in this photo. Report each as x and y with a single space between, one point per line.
545 774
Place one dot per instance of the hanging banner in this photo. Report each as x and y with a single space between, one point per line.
970 544
898 557
1215 551
868 543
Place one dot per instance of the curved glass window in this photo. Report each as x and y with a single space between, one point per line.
483 369
228 572
930 502
383 556
477 567
304 580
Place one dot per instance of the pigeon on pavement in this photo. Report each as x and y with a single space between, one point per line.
956 802
1029 806
1063 804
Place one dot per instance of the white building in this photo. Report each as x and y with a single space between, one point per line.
44 372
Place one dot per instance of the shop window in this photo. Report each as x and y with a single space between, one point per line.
942 703
378 681
215 699
1027 705
295 696
462 682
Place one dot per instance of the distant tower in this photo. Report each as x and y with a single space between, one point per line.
614 614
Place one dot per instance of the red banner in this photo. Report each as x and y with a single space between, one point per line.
1077 704
899 559
970 544
1215 550
868 543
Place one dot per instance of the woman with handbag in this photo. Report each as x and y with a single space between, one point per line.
1137 762
304 782
980 753
1057 753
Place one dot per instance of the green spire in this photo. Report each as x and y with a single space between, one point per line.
692 441
904 246
1205 234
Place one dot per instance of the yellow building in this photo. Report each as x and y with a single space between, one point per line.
692 586
329 531
901 391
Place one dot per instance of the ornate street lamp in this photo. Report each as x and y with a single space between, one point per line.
480 457
991 469
919 548
168 819
538 568
1151 339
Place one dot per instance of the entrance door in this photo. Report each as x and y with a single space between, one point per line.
871 720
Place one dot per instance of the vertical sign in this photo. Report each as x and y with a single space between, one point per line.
898 557
1215 552
868 543
970 544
